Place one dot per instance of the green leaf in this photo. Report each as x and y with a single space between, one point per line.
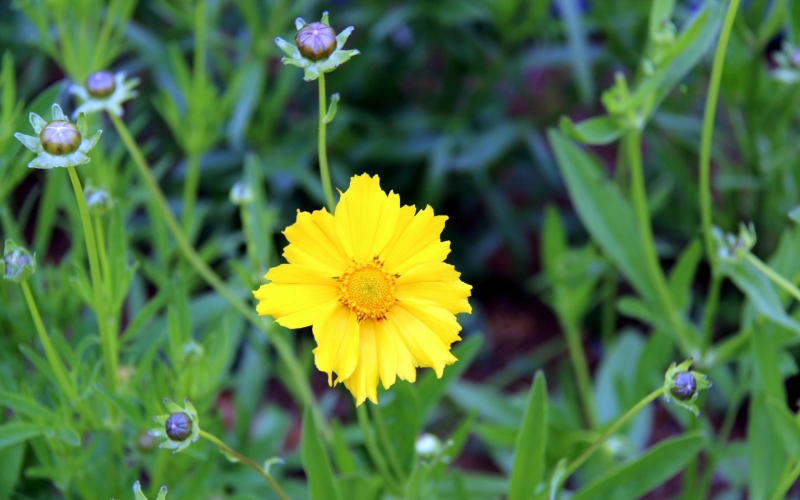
794 214
10 471
766 455
682 274
766 364
17 432
598 130
759 291
634 479
529 454
24 405
604 212
321 483
786 427
342 456
431 389
403 419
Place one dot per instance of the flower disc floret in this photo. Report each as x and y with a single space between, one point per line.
101 84
368 290
60 137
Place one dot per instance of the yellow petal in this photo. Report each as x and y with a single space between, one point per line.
299 274
366 217
443 323
435 253
452 296
313 238
337 336
425 346
295 305
406 364
422 231
429 271
363 383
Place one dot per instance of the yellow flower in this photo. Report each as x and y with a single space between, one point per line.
372 282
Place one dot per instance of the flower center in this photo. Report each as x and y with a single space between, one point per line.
368 290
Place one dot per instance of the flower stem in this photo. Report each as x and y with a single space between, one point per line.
771 274
372 447
632 145
52 357
324 171
575 465
708 131
383 436
712 301
788 479
246 461
190 187
108 339
282 346
582 375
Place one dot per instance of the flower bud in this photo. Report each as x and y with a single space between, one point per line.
18 264
241 193
316 41
178 426
60 137
684 386
98 200
101 84
428 446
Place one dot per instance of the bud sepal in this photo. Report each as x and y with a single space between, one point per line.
318 58
17 264
95 100
61 148
179 428
138 495
682 386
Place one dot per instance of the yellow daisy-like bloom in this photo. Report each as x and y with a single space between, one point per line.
372 282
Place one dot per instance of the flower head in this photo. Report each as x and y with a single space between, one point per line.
104 91
98 200
372 282
684 385
58 143
138 495
181 427
241 193
17 264
733 247
317 48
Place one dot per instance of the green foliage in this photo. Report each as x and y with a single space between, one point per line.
493 113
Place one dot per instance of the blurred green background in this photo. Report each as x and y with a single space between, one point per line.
449 102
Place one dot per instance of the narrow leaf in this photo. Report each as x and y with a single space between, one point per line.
321 483
529 456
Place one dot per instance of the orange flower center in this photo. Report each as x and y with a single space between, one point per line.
368 290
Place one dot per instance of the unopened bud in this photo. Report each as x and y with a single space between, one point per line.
315 41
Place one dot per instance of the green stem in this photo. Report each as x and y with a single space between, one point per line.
246 461
719 446
708 131
372 447
190 188
101 250
383 436
575 465
582 375
249 241
787 481
324 171
282 346
52 357
771 274
632 146
712 302
108 339
609 308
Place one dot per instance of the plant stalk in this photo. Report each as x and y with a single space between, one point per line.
246 461
324 171
774 276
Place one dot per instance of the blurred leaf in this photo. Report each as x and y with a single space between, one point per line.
11 469
321 483
682 274
598 130
794 214
634 479
759 291
17 432
605 213
431 389
766 361
766 456
786 426
529 455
